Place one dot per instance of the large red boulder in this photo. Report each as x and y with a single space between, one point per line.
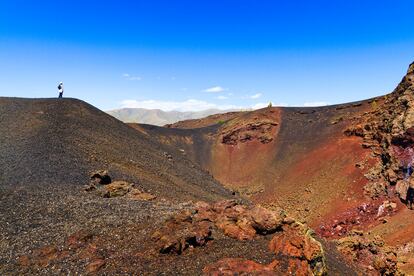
235 220
296 247
239 221
181 232
266 221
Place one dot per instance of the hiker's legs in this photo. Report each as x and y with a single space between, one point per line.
60 94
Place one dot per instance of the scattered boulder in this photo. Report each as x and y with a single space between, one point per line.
101 183
370 253
116 189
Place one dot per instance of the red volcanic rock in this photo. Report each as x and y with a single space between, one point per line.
296 247
292 266
370 254
222 206
181 232
266 221
238 221
81 244
344 222
235 220
240 229
296 253
357 130
237 266
78 239
43 256
95 266
260 130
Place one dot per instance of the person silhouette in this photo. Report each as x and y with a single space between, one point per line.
60 89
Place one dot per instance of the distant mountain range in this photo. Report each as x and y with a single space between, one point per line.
159 117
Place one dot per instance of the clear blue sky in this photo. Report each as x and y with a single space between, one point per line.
170 54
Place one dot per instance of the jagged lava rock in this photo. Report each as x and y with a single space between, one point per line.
370 253
235 220
181 232
300 252
116 189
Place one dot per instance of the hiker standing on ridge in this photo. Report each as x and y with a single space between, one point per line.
60 89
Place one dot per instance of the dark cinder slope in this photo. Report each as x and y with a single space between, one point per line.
59 142
48 147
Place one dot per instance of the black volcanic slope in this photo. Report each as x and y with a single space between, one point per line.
48 147
59 142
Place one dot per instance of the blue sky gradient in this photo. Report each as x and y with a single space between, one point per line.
169 54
